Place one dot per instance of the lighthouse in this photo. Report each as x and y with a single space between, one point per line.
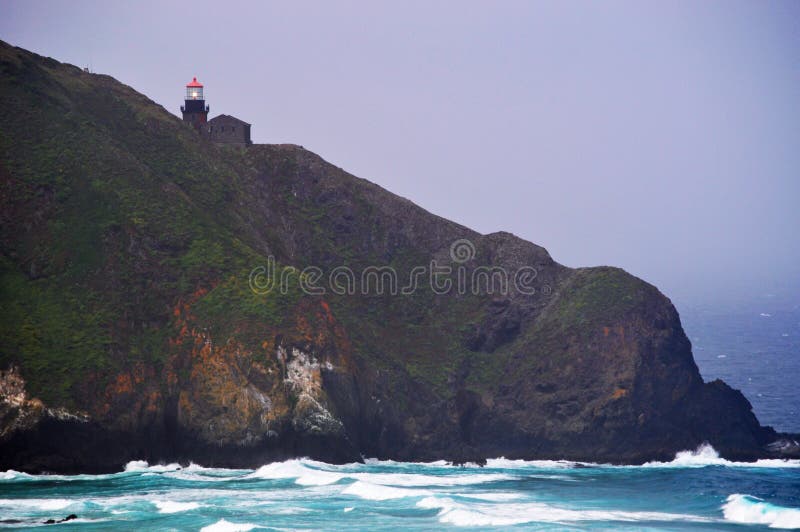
195 110
223 129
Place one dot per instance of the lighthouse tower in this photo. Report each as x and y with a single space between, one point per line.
195 110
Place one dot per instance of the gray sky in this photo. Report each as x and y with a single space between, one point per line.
660 137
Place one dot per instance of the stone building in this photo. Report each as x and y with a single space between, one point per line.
226 129
222 129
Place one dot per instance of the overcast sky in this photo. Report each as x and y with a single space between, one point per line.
660 137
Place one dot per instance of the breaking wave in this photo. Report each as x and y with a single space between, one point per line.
380 492
460 514
310 473
226 526
39 504
141 465
747 509
705 455
171 507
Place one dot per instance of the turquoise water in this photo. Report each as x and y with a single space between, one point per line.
754 347
696 491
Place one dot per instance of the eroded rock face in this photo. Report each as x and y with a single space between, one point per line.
132 330
304 379
19 413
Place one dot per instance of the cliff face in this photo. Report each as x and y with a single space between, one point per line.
138 320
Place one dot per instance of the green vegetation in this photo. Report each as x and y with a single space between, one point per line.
232 304
118 212
115 212
593 296
56 332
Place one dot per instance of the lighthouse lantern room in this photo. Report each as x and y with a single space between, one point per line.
194 90
195 110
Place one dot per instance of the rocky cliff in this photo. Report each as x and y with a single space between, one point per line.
163 298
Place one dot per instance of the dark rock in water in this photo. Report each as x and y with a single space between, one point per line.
145 314
70 517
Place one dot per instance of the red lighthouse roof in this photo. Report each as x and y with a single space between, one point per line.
194 83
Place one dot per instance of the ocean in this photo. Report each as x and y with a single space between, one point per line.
696 491
754 348
753 345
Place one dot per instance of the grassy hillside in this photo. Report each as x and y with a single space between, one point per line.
116 210
127 243
113 211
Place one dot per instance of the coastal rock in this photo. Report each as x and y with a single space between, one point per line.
167 299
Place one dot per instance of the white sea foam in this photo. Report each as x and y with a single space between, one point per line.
318 478
40 504
14 475
291 510
172 507
142 465
172 501
198 477
197 468
499 496
312 476
505 463
751 510
378 461
410 479
279 470
89 520
226 526
304 476
705 455
198 473
136 465
378 492
459 514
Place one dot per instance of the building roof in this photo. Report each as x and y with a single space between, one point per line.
228 118
194 83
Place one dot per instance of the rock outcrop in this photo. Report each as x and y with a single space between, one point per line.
164 298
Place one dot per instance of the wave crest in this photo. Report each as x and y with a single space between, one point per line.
705 455
459 514
310 473
747 509
379 492
143 466
172 507
226 526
